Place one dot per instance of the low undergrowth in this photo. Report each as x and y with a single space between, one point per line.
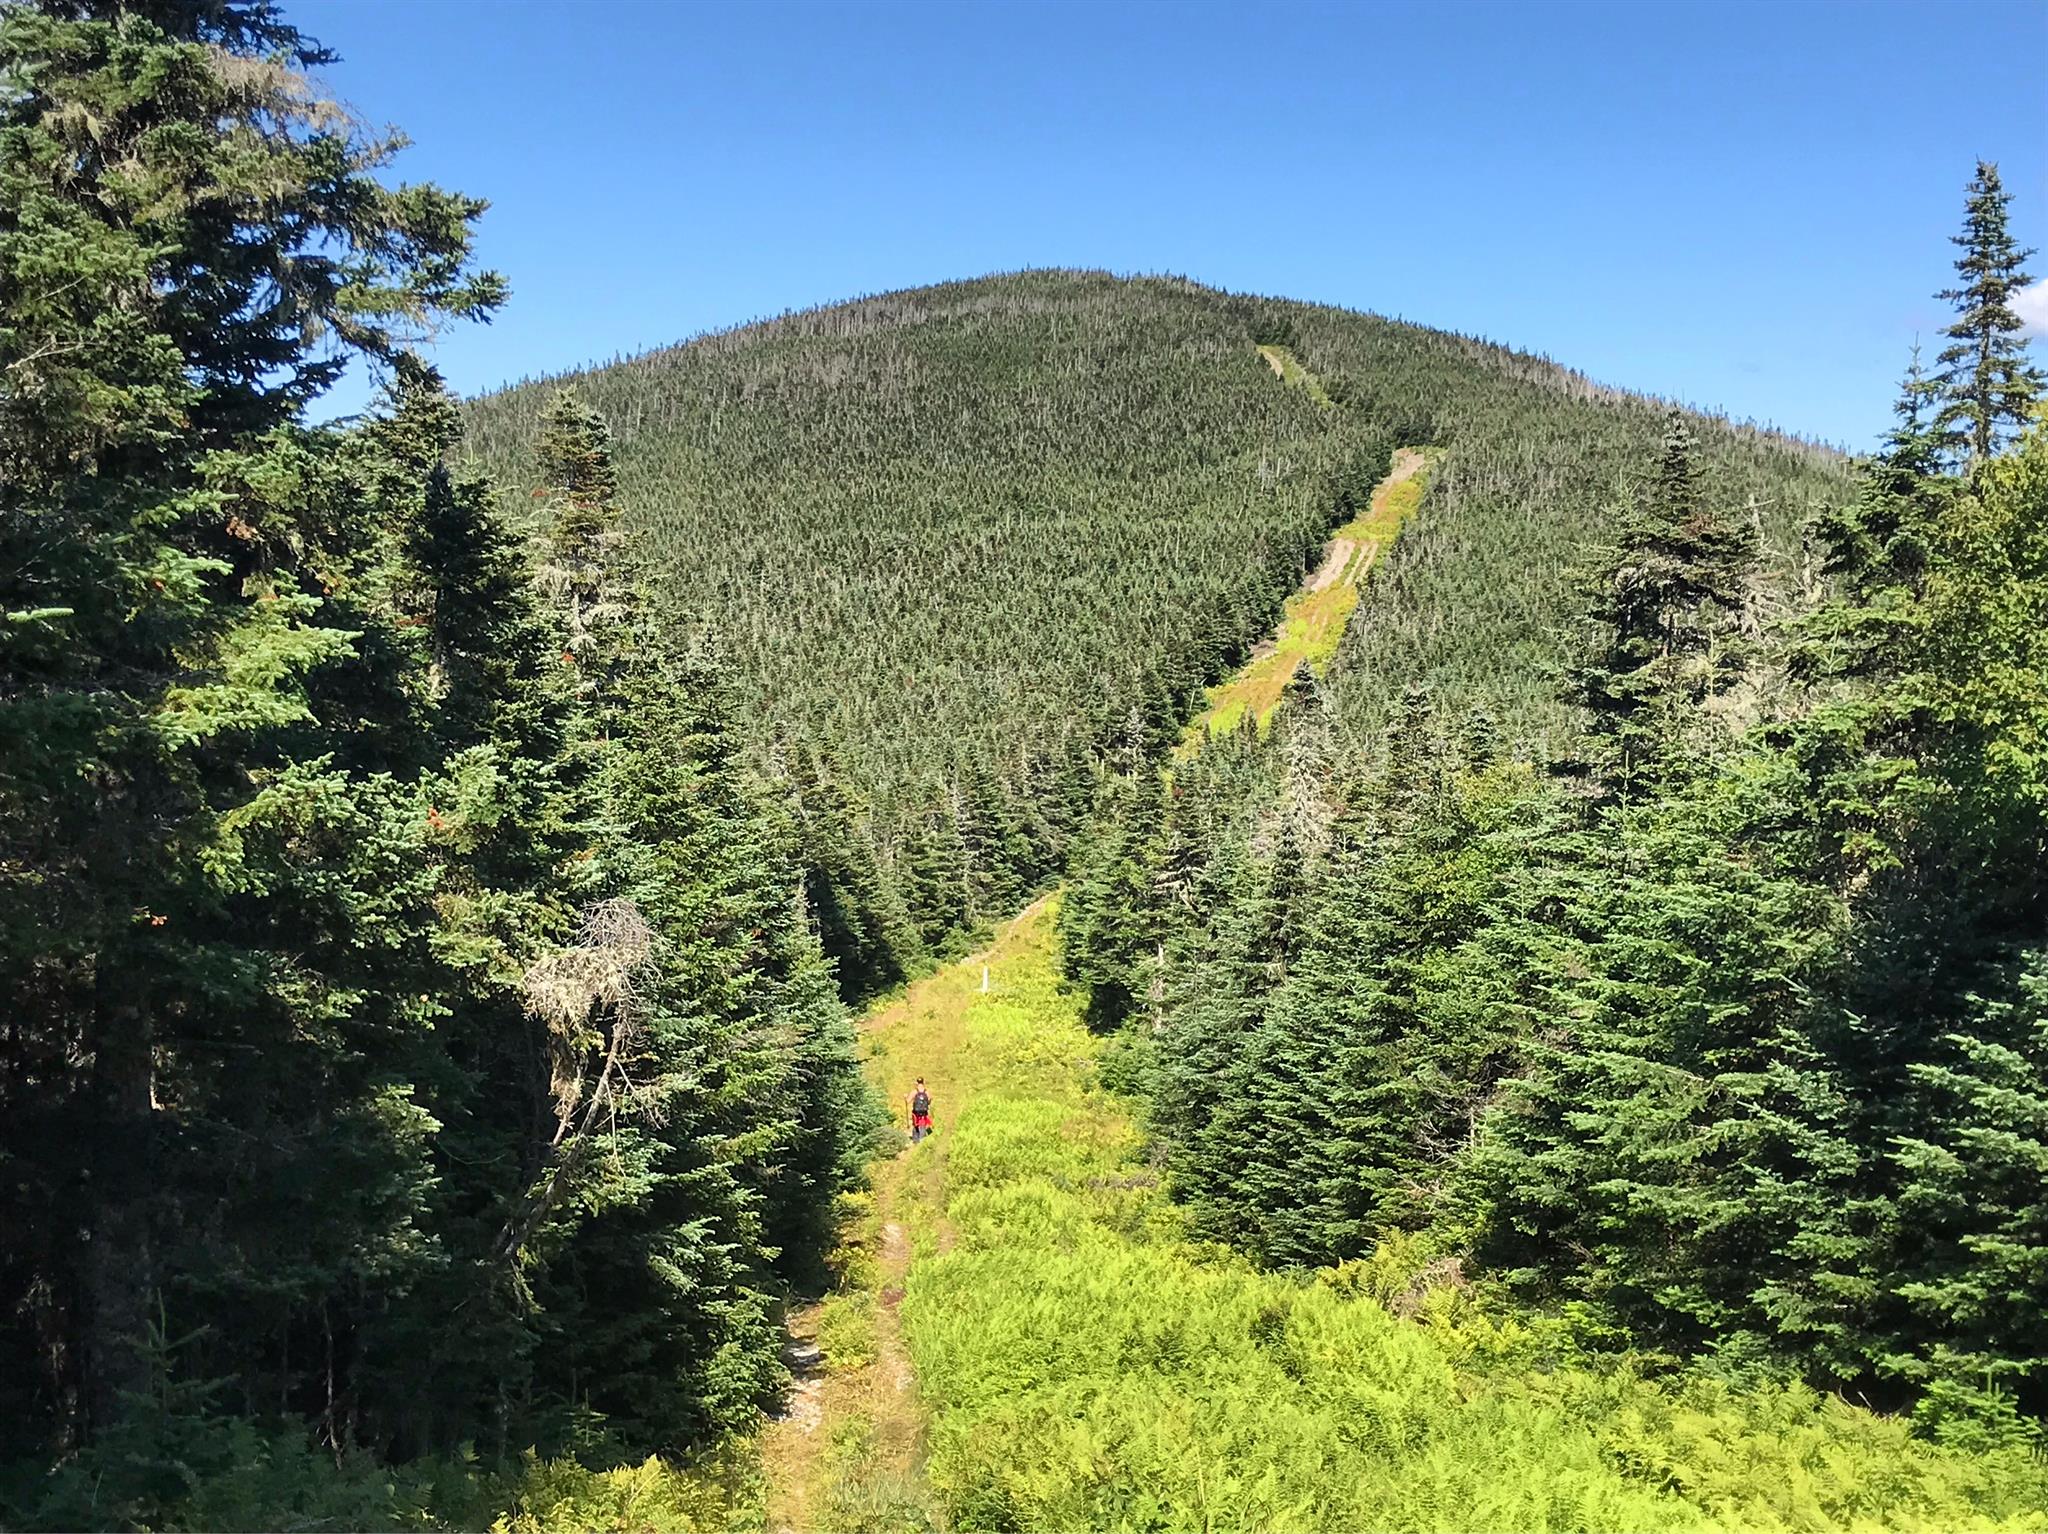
191 1469
1086 1365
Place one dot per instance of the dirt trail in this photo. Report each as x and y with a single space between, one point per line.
1408 462
847 1450
1288 369
1336 559
1315 617
848 1439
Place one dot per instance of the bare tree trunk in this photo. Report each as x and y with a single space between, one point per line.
119 1260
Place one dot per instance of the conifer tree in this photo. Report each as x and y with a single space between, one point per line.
1107 921
1952 984
204 865
585 547
934 872
1883 539
1989 384
1662 622
503 828
862 921
1683 1140
1223 979
1796 1005
1973 1217
1000 855
705 1084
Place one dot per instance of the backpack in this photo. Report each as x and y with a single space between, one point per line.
922 1103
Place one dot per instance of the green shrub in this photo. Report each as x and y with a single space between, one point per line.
655 1496
846 1330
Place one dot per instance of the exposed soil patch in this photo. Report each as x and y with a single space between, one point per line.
804 1407
1335 558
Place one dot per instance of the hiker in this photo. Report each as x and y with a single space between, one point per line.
920 1112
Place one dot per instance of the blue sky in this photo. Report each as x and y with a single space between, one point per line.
1742 205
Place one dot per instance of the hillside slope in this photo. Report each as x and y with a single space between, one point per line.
961 543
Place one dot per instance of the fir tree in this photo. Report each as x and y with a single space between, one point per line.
1108 922
1988 383
1973 1219
706 1099
206 860
503 827
584 568
1662 620
933 868
1883 539
861 919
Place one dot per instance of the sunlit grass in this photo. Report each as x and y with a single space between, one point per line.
1086 1366
1283 361
1312 623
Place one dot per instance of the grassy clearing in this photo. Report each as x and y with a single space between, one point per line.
1284 363
1085 1366
851 1457
1313 621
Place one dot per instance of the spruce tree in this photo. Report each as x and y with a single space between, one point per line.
1801 1073
934 876
1108 922
583 568
1883 539
503 828
1678 1151
861 919
1663 623
706 1087
1989 384
206 862
1973 1228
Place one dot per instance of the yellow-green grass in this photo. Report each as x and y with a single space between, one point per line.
1283 362
854 1460
1085 1365
717 1495
1313 622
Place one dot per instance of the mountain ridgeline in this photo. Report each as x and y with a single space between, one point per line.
965 544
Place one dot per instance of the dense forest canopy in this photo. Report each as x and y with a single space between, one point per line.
965 542
414 1041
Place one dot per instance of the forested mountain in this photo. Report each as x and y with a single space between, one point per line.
963 544
438 850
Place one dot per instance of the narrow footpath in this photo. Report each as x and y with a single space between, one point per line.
848 1451
1002 1049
